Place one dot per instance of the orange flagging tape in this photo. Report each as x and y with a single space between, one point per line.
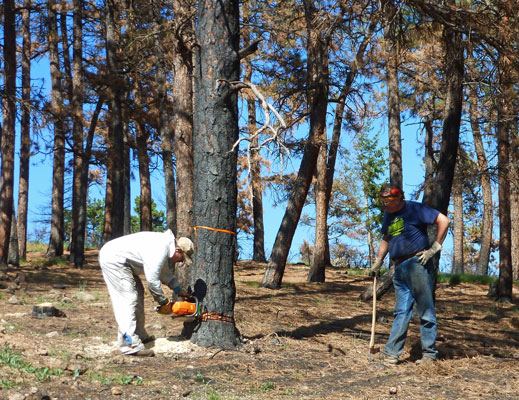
209 229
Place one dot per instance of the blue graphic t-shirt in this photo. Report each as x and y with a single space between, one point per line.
407 228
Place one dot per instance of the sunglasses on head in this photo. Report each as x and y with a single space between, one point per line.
391 195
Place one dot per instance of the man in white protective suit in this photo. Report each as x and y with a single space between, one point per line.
121 259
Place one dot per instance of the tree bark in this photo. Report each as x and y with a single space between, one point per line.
504 118
514 204
183 119
216 127
164 128
57 228
487 220
8 132
144 178
318 61
79 187
258 249
459 231
25 132
14 256
393 96
116 139
437 194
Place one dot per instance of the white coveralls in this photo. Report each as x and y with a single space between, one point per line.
121 260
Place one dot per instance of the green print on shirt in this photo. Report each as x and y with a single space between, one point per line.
396 227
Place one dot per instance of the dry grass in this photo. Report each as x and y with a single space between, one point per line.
304 341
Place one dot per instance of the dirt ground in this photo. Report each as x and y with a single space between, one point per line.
304 341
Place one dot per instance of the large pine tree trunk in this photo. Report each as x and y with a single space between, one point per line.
57 227
25 128
8 131
504 118
216 127
116 139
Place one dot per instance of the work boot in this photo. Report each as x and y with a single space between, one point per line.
148 339
385 358
425 361
143 353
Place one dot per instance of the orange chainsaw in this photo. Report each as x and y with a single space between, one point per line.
188 309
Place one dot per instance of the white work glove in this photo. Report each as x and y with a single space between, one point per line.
427 254
375 268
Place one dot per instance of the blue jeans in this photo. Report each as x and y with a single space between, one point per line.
413 282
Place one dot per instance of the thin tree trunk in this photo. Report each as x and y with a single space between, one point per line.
14 256
504 118
127 203
393 97
144 178
258 252
437 191
79 187
438 195
25 132
164 127
183 120
57 228
216 127
318 62
487 220
459 231
8 132
514 204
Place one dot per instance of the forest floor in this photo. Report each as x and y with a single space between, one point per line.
304 341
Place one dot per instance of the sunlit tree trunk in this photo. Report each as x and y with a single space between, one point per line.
458 227
393 97
57 227
216 127
183 118
144 177
8 130
25 132
486 187
258 249
79 187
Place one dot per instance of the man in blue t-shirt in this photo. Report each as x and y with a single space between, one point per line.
405 238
